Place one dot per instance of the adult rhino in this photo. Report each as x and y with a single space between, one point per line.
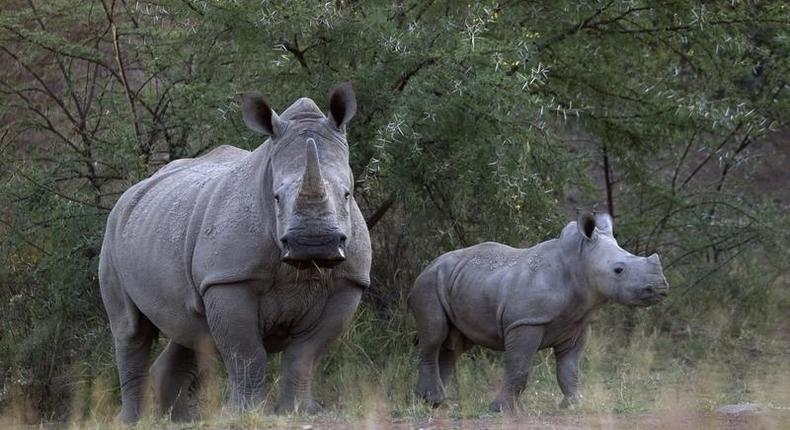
523 300
241 253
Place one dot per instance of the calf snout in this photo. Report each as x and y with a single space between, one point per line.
654 292
659 286
302 249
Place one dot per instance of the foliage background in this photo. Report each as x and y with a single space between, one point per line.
477 121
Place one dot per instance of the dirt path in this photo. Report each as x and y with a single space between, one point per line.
773 419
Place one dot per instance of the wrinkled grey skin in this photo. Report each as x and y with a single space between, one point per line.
523 300
241 253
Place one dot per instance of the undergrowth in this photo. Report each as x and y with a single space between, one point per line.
719 350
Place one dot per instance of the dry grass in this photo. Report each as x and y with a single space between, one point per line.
656 371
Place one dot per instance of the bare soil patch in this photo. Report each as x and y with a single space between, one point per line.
769 419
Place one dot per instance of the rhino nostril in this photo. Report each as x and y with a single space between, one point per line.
655 290
286 249
342 238
649 289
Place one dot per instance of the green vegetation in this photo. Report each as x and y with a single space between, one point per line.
477 121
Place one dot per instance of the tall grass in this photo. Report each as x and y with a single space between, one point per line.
693 353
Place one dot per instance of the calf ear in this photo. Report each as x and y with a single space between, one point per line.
342 104
259 117
586 225
604 224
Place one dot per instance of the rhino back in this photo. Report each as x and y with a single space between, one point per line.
153 230
493 287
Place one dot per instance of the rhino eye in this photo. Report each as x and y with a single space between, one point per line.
277 198
347 195
618 270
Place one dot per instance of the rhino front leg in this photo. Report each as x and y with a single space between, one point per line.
433 327
568 360
521 343
300 357
232 315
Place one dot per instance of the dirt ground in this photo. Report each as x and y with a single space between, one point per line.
773 419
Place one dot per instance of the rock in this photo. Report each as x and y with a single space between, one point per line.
740 408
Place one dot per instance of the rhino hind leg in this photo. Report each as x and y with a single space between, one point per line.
454 345
132 355
134 334
175 380
433 326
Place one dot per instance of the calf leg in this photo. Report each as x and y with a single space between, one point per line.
452 348
175 378
568 360
432 330
521 343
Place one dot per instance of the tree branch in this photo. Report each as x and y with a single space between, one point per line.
379 213
608 178
404 77
108 10
710 155
298 53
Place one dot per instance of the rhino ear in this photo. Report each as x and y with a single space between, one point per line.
586 225
604 224
259 117
342 104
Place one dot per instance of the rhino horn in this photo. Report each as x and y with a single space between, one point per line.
312 180
654 259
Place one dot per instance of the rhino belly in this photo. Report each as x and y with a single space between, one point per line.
150 246
167 299
474 311
481 333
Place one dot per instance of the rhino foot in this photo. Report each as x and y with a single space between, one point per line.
309 407
185 413
498 406
569 402
433 396
127 418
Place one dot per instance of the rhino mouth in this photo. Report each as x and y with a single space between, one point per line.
305 257
319 250
309 264
653 294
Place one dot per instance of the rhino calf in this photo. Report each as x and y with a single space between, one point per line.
523 300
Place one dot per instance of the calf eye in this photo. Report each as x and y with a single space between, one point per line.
276 198
618 270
